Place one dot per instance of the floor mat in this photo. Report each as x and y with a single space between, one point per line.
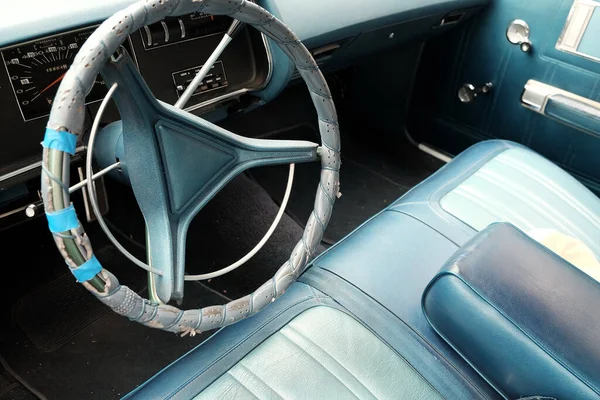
67 306
69 346
108 358
370 181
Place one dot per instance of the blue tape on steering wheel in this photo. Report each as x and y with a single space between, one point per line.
87 270
63 220
60 140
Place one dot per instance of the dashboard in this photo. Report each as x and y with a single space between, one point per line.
168 54
39 38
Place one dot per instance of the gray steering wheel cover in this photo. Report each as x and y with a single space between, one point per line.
68 113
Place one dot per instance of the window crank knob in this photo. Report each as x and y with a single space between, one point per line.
518 33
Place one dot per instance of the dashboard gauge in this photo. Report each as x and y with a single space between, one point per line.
36 68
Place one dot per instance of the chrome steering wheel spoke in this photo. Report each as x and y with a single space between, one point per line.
177 162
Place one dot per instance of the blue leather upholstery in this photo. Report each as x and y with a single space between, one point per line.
392 258
522 316
193 373
330 356
500 181
378 273
196 370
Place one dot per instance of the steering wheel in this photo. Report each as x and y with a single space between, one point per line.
176 163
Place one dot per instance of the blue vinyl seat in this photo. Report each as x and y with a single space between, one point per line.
354 326
500 181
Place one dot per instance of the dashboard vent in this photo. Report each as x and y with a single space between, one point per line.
321 55
452 18
325 52
296 74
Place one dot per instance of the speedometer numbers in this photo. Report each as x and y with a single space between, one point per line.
36 69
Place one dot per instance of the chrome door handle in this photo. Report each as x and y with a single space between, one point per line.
568 108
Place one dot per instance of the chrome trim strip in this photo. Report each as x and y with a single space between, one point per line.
434 153
174 43
575 28
269 62
148 36
48 37
181 27
31 167
20 171
166 29
536 95
217 99
13 212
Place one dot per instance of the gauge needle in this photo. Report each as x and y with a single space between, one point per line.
50 85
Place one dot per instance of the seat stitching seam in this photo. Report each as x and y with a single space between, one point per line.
324 367
418 334
241 364
289 326
240 343
469 171
477 200
549 213
242 384
513 190
552 187
465 191
427 224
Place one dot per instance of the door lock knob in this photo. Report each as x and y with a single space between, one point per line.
468 92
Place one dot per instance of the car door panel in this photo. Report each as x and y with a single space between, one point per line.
481 53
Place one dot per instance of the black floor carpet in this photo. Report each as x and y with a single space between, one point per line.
372 176
67 306
11 389
68 346
104 360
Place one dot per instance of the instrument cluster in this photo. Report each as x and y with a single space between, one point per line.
35 70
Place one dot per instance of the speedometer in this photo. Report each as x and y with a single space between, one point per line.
35 70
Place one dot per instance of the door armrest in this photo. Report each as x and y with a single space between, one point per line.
566 107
